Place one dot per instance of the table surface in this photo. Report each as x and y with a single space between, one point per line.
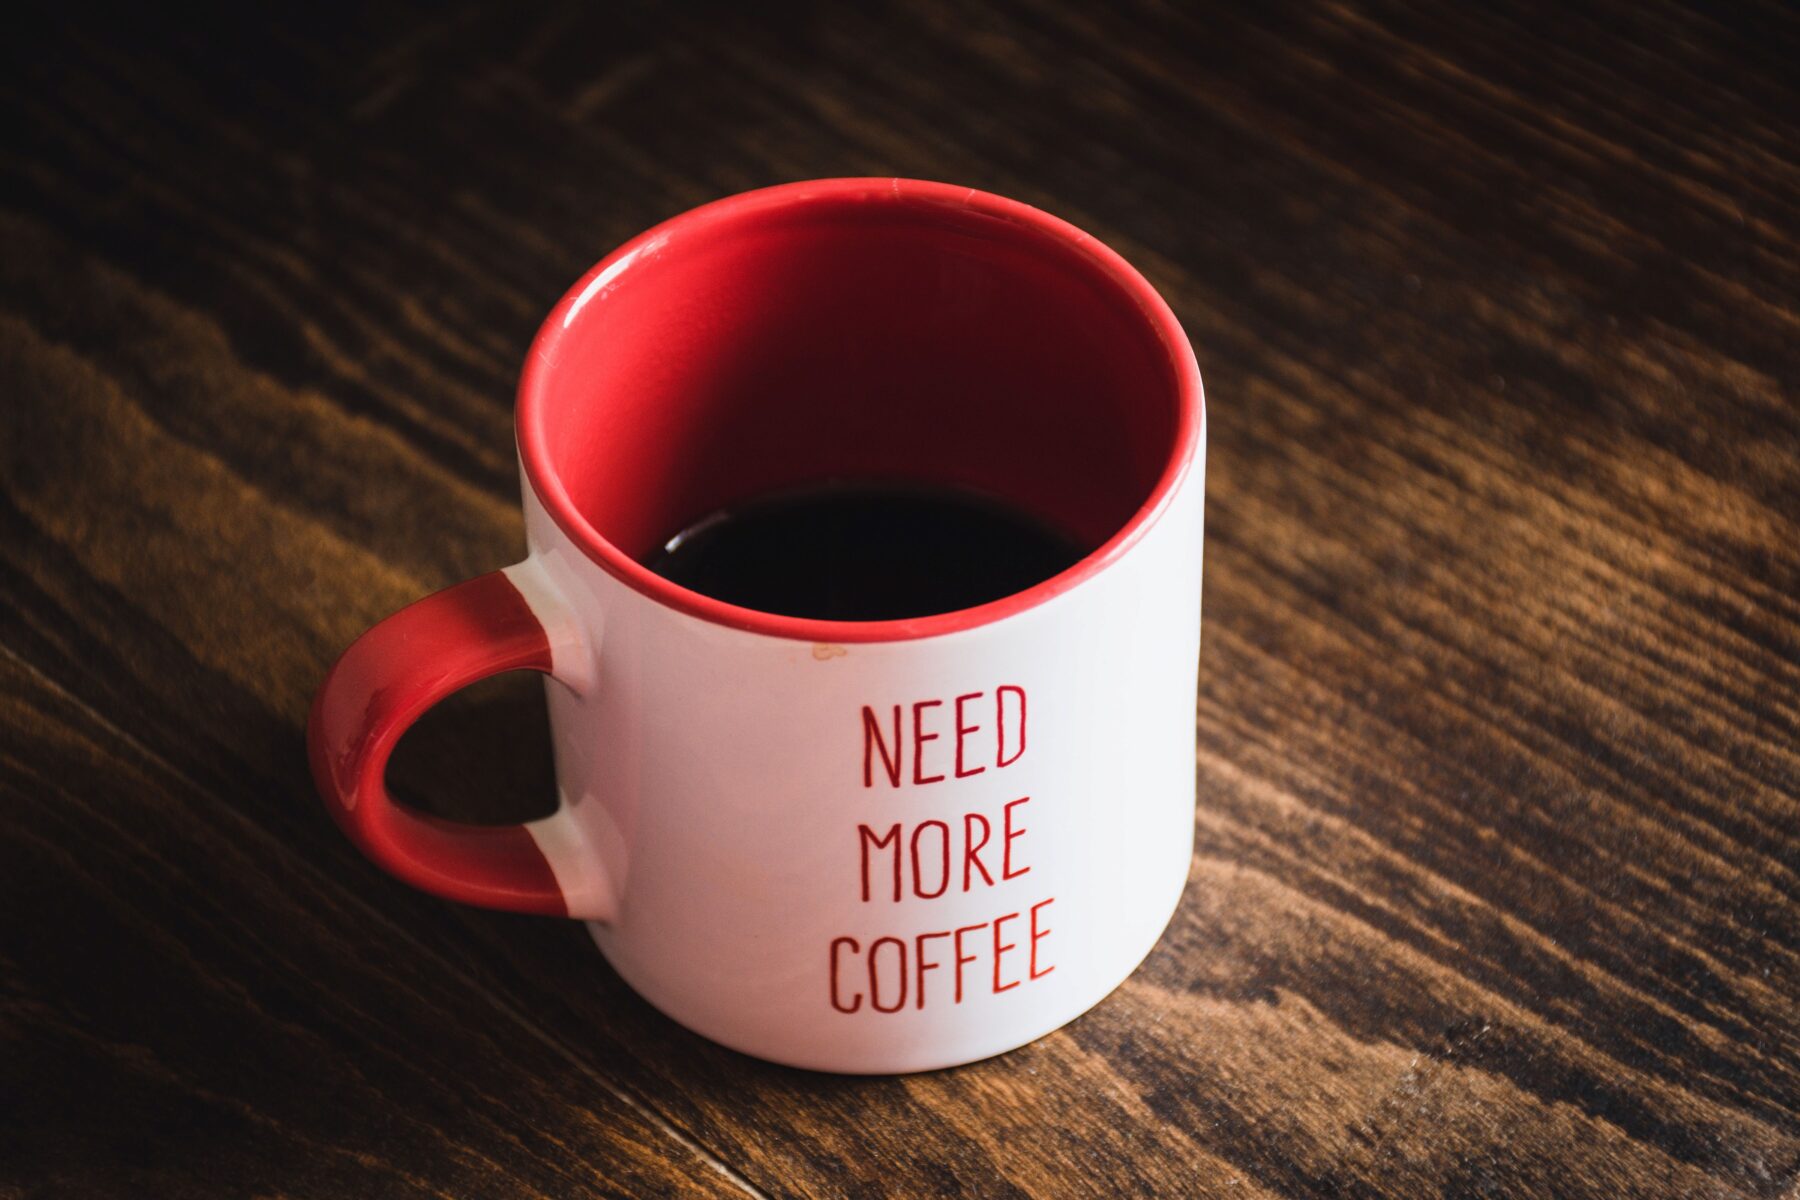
1498 842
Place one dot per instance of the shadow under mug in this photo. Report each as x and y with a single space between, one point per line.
852 846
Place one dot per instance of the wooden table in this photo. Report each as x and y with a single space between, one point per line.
1498 843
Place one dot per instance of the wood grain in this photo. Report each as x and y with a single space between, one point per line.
1496 888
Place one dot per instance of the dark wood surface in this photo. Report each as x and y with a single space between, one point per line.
1496 889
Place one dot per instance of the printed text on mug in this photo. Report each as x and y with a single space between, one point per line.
976 848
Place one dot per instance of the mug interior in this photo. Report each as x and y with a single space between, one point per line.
855 330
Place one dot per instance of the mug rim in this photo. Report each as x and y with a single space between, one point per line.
540 362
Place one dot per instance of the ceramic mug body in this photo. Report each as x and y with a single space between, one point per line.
851 846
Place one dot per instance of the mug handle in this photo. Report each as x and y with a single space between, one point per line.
385 681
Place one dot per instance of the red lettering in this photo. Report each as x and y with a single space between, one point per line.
871 739
962 958
920 966
835 1002
1000 759
875 975
944 878
1000 950
920 737
865 838
902 975
963 731
1037 933
972 848
1007 834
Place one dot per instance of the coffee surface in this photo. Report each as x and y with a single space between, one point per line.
865 552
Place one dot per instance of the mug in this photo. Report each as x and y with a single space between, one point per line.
853 846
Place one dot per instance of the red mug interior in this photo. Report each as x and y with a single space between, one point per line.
863 330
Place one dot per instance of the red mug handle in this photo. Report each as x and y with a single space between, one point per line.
383 683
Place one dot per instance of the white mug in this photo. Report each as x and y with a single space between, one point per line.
864 847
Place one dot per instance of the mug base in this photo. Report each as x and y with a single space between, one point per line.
900 1059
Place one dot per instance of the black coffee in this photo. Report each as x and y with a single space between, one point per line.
860 552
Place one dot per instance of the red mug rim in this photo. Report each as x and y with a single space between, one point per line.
534 452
